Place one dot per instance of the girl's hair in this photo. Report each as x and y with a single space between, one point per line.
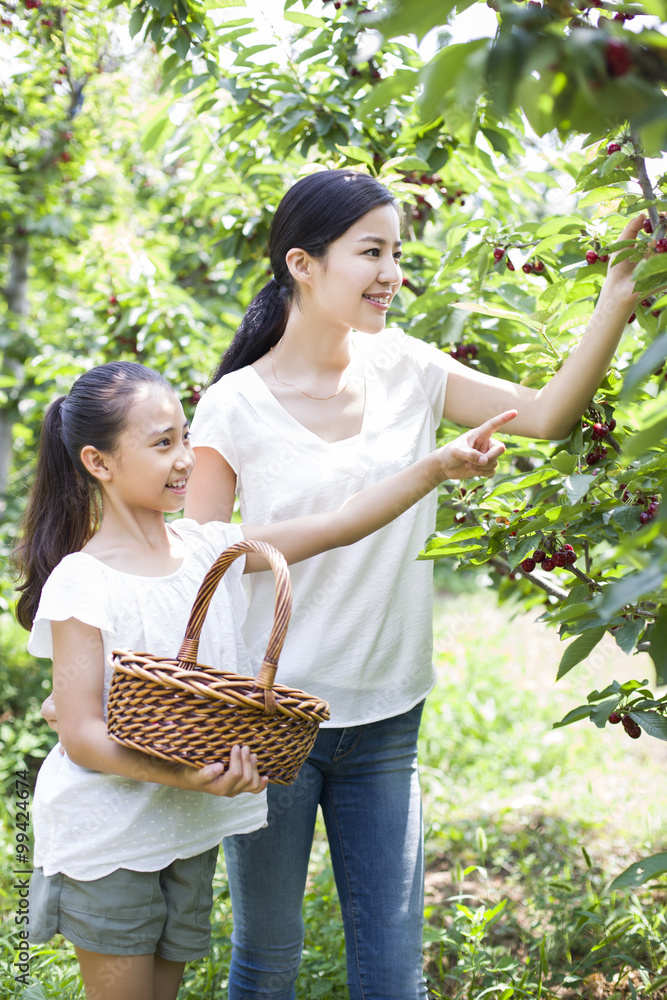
63 510
316 211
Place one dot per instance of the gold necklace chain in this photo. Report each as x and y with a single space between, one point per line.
303 391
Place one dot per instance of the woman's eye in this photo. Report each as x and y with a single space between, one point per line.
398 255
375 251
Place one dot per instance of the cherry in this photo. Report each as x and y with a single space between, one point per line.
644 517
647 226
113 300
604 257
569 548
613 147
548 565
631 727
632 318
498 253
661 245
615 718
591 257
526 268
570 557
511 267
611 425
538 265
528 565
558 559
539 556
592 457
618 57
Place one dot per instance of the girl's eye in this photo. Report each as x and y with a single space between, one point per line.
187 436
375 251
164 441
397 255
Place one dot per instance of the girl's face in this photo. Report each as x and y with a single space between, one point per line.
153 458
355 283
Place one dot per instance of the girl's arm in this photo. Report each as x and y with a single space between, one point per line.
78 673
474 453
551 412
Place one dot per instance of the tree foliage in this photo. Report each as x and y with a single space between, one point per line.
146 145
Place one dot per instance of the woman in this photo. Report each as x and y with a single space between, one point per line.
313 401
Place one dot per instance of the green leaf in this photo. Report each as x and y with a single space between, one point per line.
658 648
136 21
600 714
574 715
651 722
580 649
627 635
307 20
578 486
631 588
640 872
356 153
564 463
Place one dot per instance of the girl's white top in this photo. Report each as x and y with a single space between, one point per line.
88 824
361 628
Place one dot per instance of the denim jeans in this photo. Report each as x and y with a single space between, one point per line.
365 778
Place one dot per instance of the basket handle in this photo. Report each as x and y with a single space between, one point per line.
187 654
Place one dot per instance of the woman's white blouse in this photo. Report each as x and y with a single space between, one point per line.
361 629
88 824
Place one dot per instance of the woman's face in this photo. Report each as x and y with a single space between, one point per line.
355 283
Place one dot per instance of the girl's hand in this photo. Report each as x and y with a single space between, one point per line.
474 453
48 712
241 775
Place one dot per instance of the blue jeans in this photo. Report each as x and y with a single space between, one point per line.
365 778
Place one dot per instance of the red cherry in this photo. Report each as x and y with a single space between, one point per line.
632 318
539 556
618 57
113 300
559 559
538 265
647 226
511 267
526 268
615 718
528 565
644 517
661 245
591 257
498 254
646 303
611 425
569 548
604 257
570 557
592 457
613 147
548 565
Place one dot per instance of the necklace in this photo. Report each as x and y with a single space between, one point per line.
303 391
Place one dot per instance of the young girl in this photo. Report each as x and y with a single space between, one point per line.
313 401
125 844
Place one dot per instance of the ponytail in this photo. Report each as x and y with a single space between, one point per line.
261 328
64 509
317 210
61 516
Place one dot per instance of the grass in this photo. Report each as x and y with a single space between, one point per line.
525 828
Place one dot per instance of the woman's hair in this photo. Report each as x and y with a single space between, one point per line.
316 211
63 510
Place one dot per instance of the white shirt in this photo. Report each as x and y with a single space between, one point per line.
88 824
361 629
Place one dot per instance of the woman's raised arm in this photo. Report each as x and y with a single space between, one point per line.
550 413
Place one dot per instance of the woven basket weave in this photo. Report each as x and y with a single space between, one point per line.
185 712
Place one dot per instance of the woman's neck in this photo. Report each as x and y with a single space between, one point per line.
309 344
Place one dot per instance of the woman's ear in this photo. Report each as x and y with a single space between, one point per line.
96 463
300 265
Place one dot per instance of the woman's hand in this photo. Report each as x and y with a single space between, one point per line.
474 453
620 277
241 776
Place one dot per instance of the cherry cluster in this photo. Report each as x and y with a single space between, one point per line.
651 504
464 351
33 4
599 431
632 728
530 267
565 556
592 257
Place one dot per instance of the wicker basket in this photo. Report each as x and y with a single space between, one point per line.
192 714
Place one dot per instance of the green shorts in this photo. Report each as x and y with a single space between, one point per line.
129 913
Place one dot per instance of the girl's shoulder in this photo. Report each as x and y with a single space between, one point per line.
210 539
79 587
393 348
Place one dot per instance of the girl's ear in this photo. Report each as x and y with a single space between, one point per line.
300 265
96 463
